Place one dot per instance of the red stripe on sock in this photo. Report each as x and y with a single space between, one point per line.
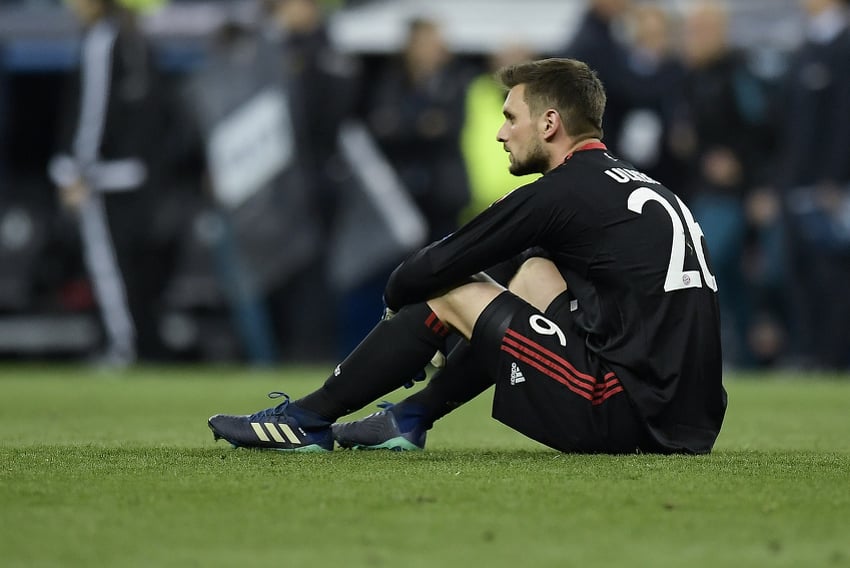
435 325
440 328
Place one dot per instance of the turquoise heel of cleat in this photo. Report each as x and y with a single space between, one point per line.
397 444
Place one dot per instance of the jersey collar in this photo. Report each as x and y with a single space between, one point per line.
585 147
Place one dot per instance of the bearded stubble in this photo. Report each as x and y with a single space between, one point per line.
535 162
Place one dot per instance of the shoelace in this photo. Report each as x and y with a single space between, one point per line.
405 424
275 411
384 406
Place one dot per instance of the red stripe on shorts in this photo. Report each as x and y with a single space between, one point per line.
556 367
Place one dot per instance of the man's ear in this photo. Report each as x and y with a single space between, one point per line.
550 123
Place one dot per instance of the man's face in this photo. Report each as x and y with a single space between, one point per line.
520 137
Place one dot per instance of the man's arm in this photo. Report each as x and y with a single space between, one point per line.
501 232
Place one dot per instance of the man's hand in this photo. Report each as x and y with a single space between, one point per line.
438 360
73 195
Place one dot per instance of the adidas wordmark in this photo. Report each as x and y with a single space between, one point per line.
516 374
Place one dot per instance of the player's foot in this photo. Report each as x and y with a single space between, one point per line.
276 428
381 430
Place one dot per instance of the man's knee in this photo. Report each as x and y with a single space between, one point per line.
461 306
538 281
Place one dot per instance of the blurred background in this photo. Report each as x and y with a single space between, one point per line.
233 181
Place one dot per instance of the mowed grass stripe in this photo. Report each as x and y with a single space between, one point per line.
107 471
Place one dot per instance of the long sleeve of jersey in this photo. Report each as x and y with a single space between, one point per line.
505 229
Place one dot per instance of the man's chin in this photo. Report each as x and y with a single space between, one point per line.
528 167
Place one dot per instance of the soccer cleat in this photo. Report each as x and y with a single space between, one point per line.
379 431
273 428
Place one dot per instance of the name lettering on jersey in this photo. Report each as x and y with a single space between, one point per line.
625 175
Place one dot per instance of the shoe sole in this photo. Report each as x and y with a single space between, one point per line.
398 444
313 448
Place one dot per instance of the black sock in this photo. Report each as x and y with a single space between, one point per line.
462 379
391 355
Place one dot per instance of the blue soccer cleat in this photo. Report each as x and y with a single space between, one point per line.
381 430
276 428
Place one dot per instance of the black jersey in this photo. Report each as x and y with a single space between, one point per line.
634 259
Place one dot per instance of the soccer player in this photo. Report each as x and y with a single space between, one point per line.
606 339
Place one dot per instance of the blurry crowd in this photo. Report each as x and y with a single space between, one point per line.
763 163
281 180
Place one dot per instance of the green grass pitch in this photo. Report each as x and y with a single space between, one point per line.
121 470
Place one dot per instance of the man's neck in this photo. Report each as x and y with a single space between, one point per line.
573 147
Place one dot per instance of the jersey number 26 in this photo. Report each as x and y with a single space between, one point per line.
677 277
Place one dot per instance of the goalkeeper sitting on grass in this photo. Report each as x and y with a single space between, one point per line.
607 338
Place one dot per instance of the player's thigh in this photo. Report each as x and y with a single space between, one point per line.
461 307
549 386
538 281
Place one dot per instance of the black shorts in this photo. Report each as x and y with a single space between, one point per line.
549 386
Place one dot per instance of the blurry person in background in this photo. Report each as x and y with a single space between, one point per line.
598 44
106 175
324 88
3 120
416 112
487 163
322 85
813 179
655 76
720 134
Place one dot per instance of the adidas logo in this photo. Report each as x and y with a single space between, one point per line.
283 436
516 375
